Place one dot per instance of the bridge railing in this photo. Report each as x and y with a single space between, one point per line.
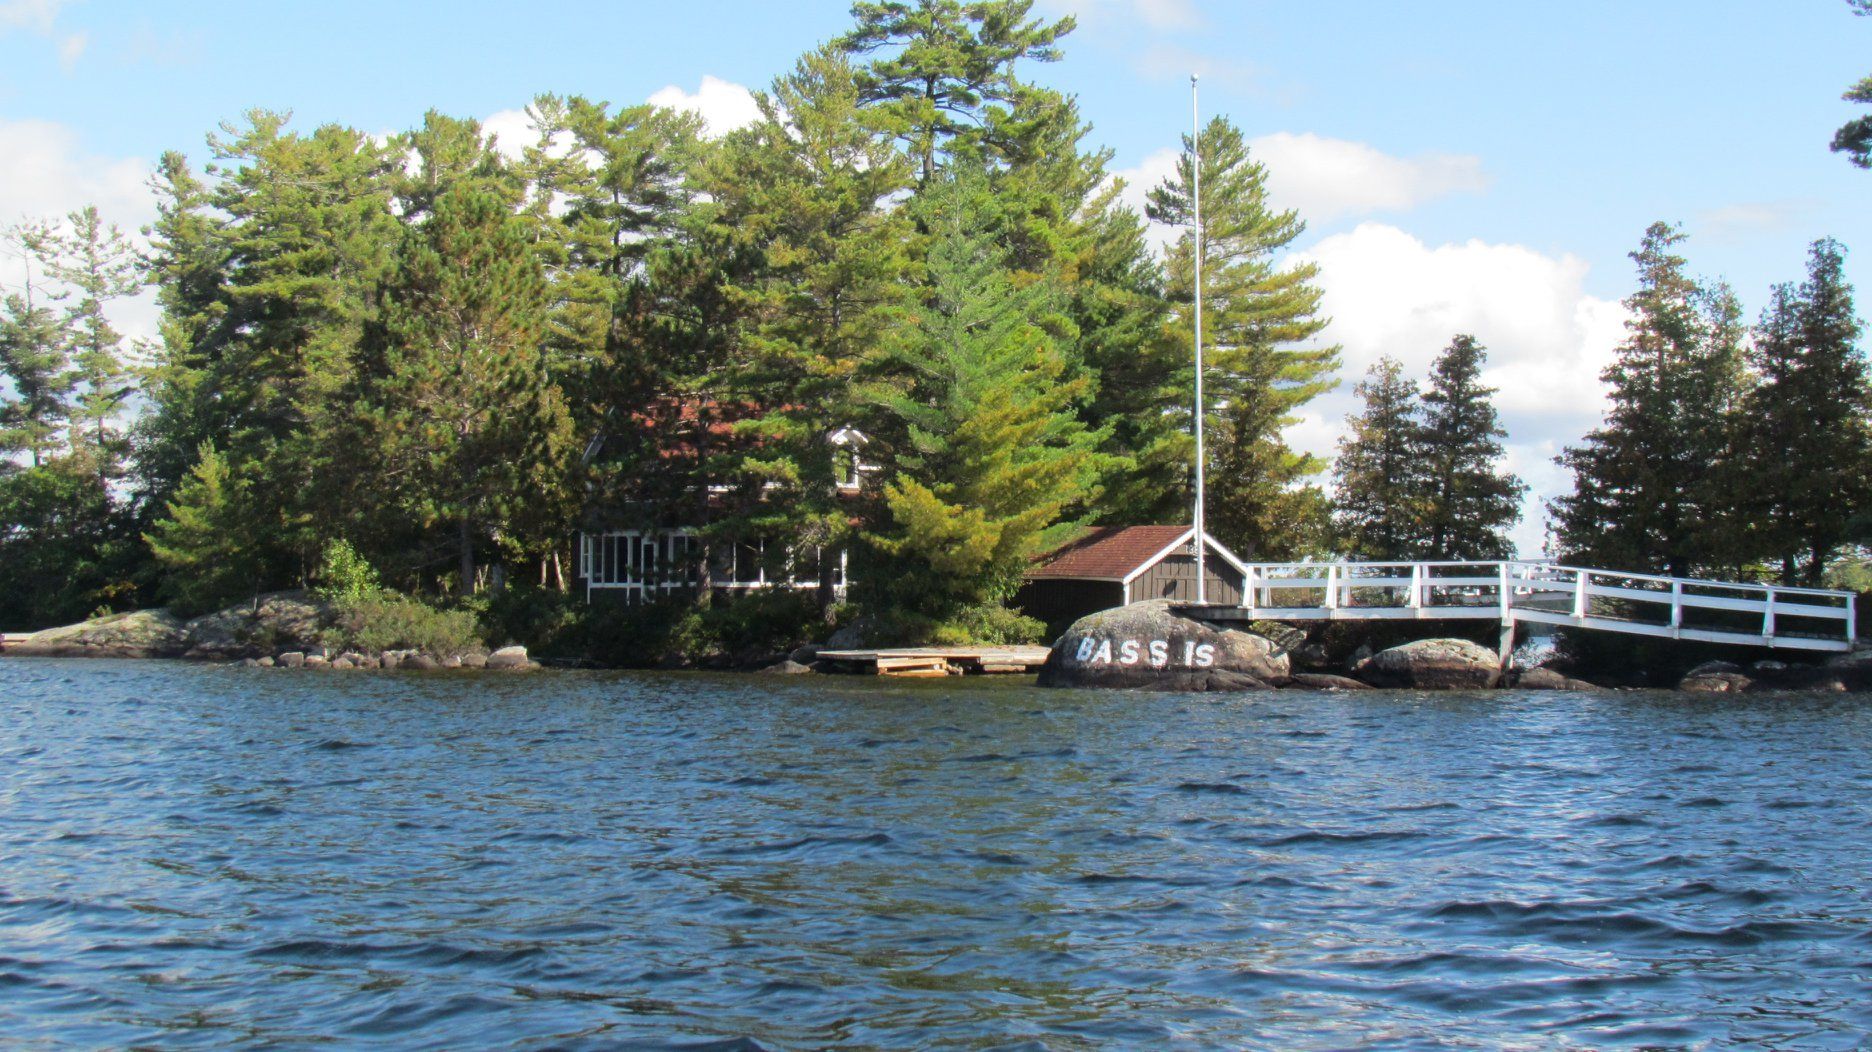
1552 593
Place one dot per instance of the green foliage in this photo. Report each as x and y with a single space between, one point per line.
1807 438
1854 138
66 546
35 355
381 621
975 422
1262 361
1468 504
344 576
1378 510
202 546
1645 497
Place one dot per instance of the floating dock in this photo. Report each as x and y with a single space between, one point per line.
942 661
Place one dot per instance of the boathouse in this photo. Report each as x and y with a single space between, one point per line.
1109 566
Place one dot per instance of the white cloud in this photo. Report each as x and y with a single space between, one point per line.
36 15
512 131
1326 179
71 48
1329 179
1389 293
45 173
723 106
1154 14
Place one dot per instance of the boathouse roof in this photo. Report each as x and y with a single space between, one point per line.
1115 553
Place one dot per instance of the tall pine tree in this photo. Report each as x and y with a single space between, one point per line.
1378 501
1468 504
1810 446
1260 321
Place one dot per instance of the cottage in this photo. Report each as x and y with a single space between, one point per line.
1110 566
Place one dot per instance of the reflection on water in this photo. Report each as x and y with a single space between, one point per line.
203 856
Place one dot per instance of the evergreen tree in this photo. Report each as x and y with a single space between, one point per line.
95 261
975 423
1854 138
1379 506
204 542
34 354
944 74
1644 497
808 190
1259 324
67 549
1810 448
460 419
1467 503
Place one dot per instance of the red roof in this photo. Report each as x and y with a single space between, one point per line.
1108 553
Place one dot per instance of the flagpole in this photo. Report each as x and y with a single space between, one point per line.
1196 255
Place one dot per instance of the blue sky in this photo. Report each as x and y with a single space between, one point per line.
1464 166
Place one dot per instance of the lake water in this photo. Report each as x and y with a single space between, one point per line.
205 856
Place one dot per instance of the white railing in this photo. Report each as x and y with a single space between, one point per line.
1550 593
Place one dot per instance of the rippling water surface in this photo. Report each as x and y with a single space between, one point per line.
204 856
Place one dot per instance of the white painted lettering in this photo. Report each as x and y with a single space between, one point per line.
1189 652
1103 657
1159 653
1205 655
1128 652
1086 646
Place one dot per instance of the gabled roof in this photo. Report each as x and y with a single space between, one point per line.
1107 553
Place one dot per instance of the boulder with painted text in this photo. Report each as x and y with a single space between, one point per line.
1147 645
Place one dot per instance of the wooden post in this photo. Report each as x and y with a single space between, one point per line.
1579 594
1416 586
1768 617
1852 619
1676 609
1332 586
1249 598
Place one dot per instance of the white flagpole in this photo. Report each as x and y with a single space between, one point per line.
1202 535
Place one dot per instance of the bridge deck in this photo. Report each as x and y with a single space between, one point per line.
1548 593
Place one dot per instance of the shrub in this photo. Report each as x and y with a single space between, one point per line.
344 576
387 621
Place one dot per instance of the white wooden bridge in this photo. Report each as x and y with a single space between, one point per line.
1549 594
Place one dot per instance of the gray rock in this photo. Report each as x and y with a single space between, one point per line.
292 658
342 663
250 662
1716 682
1146 645
848 637
1311 656
265 662
473 659
389 659
262 625
1548 679
422 662
317 661
1433 664
356 659
1326 681
806 655
452 661
1714 668
1768 667
508 657
789 667
139 634
1359 657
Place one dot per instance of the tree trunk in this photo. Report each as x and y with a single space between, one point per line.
466 540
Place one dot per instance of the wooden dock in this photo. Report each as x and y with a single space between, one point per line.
941 661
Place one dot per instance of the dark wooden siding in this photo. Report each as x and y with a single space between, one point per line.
1060 601
1175 578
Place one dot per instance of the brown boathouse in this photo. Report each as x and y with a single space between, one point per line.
1111 566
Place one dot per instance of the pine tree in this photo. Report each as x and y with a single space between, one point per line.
204 542
975 422
34 354
97 263
1644 497
1854 138
808 190
1468 504
1378 502
1259 325
463 428
944 76
1810 449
